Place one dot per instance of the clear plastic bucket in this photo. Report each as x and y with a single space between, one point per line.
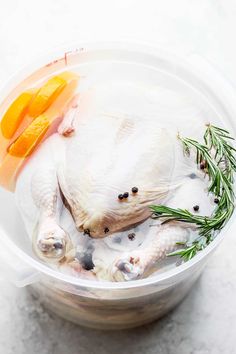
107 305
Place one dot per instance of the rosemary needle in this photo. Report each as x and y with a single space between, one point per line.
218 157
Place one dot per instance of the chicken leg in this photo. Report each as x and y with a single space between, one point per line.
132 265
52 242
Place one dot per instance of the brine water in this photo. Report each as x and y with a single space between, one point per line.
125 87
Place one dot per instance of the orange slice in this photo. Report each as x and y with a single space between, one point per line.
37 130
46 95
61 104
15 114
30 138
34 133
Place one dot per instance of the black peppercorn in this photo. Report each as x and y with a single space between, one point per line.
120 196
203 165
196 207
216 200
125 195
87 232
106 230
131 236
134 190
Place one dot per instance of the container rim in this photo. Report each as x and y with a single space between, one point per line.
141 47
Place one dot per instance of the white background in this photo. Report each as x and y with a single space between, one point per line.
205 322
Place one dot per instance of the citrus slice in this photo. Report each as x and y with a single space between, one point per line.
15 114
60 106
46 95
30 138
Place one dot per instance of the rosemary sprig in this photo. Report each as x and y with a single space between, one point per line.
217 158
218 139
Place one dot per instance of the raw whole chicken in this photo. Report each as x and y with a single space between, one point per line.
106 165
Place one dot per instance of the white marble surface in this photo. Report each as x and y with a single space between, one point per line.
205 322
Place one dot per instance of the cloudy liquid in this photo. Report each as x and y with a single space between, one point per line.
138 92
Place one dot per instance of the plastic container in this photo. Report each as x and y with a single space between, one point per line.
106 305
